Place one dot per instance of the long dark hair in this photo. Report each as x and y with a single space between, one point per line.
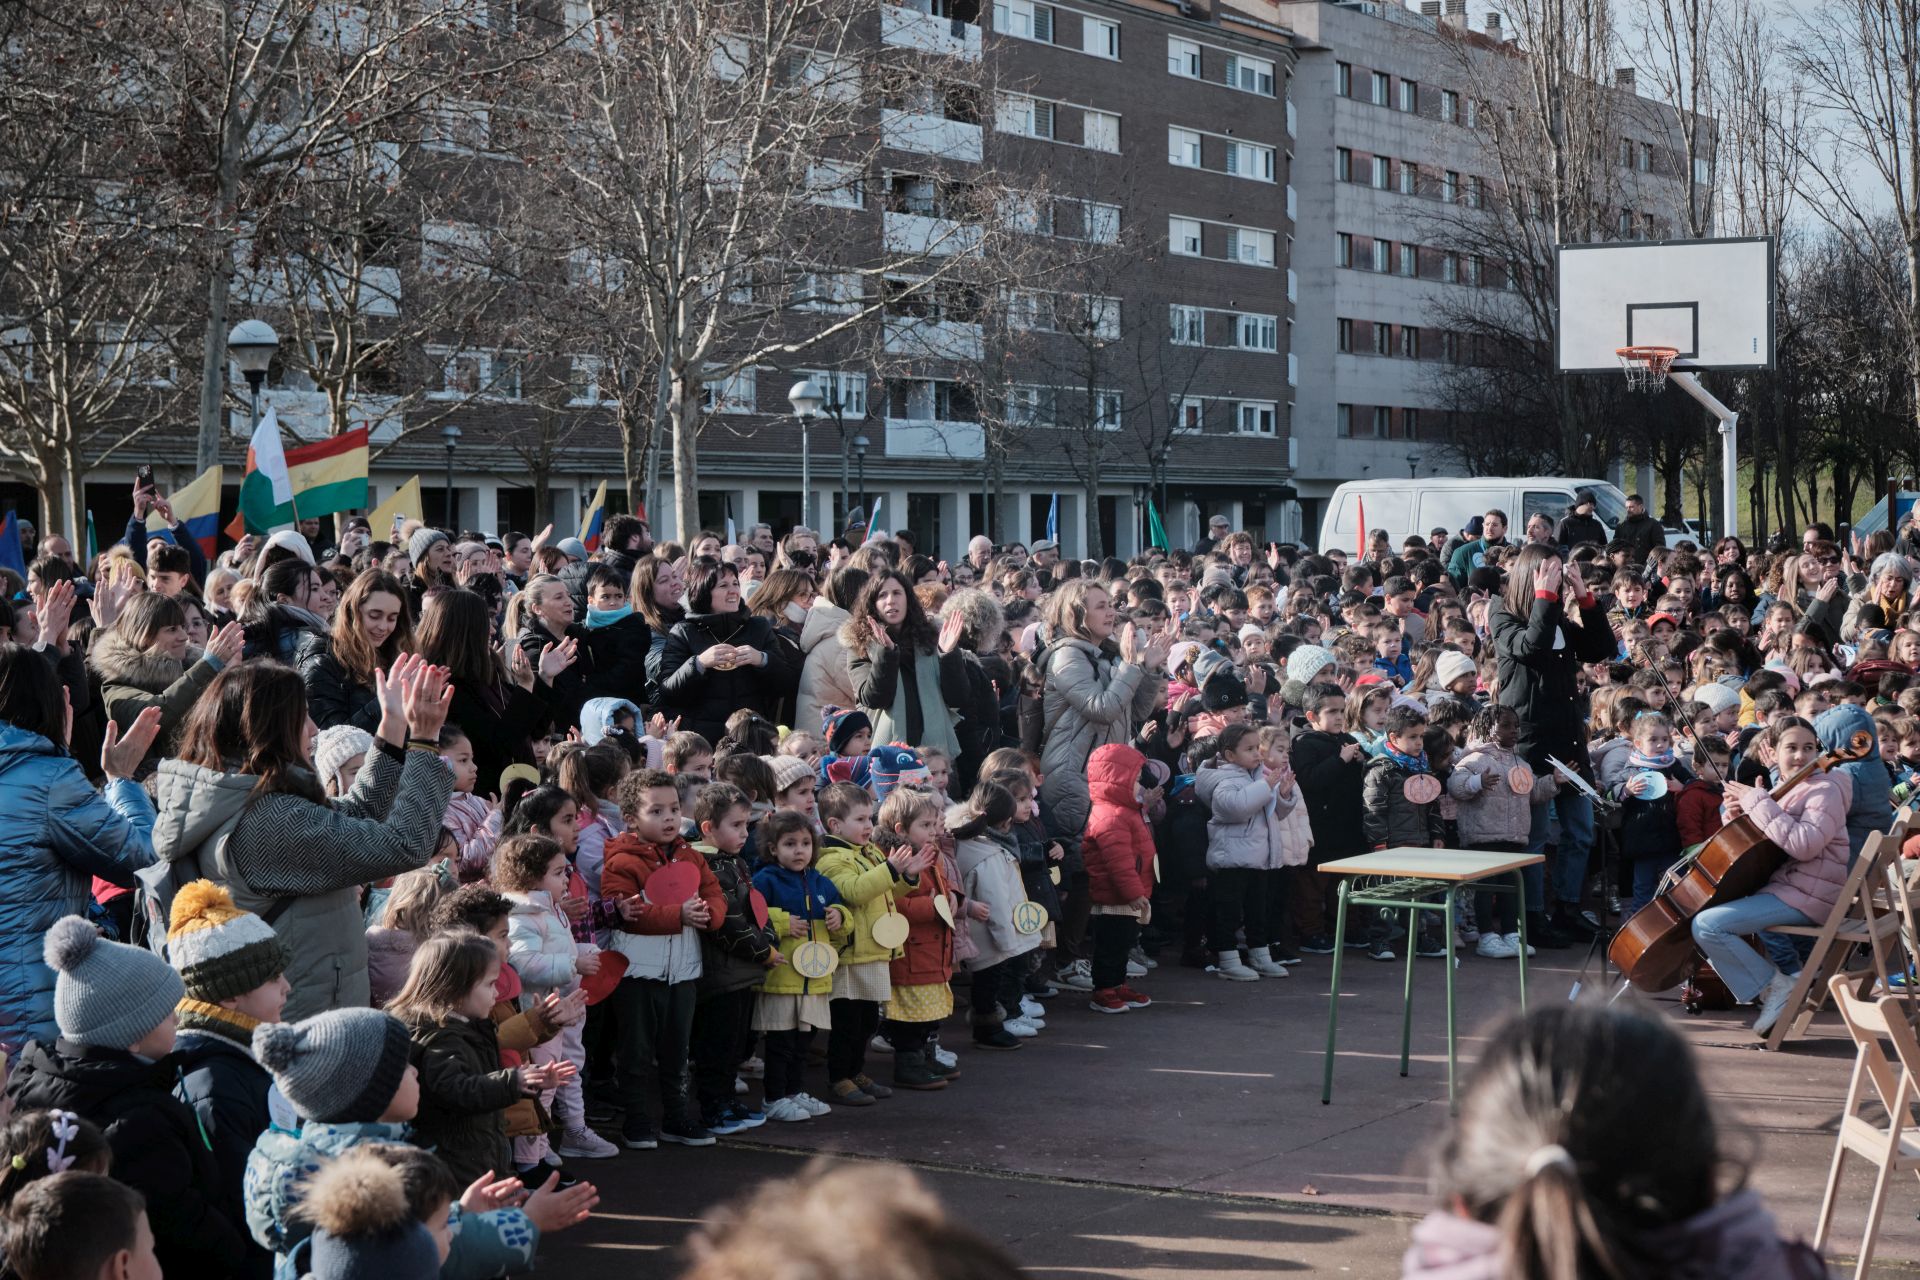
535 811
351 648
456 632
29 696
1518 596
646 575
703 576
914 630
990 805
253 719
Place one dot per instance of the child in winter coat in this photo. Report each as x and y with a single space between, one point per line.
590 775
867 878
921 978
447 1006
1331 767
1395 815
403 927
986 852
802 906
1699 812
660 934
347 1075
1494 818
1649 797
1118 853
473 820
115 1006
1245 852
531 872
734 958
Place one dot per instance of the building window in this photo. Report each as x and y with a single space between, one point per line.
1383 256
1623 224
1382 338
1183 58
1382 422
1450 268
1381 173
1703 170
1450 186
1183 236
1024 20
1100 38
1473 113
850 388
1250 75
1476 270
1248 160
1476 191
1645 164
1626 153
1188 325
1410 424
1101 222
1410 341
1381 84
1409 178
1343 79
1252 247
836 182
1254 417
1183 148
1189 415
1449 107
734 393
1343 421
1343 164
1346 336
583 381
1100 130
1257 333
1409 95
1409 260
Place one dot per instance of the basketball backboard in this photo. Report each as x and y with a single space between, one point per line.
1711 300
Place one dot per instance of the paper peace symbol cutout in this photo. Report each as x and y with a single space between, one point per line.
673 884
814 960
943 907
890 930
1029 918
1421 788
1520 778
1053 874
759 904
514 772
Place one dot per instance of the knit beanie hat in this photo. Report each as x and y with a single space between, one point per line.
1307 662
341 1067
1450 666
1715 696
293 541
220 950
337 745
106 994
787 770
839 724
895 765
422 542
364 1229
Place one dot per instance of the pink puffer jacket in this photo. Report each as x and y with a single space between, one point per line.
1810 826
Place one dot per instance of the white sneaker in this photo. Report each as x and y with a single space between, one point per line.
753 1069
585 1144
879 1045
813 1105
1020 1027
1135 969
1266 966
739 1085
1495 947
945 1057
1230 966
1467 934
1077 976
1139 956
1031 1008
788 1109
1773 1002
1513 940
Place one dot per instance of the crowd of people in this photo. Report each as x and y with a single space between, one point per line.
354 891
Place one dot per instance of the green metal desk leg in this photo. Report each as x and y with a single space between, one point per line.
1452 889
1406 992
1520 914
1333 999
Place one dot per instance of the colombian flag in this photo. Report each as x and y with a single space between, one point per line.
594 520
198 507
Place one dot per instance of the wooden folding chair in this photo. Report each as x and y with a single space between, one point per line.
1862 918
1874 1025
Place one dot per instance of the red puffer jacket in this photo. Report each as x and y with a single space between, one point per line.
1118 847
927 957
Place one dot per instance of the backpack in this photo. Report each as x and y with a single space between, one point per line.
160 883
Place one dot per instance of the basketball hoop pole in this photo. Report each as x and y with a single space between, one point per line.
1729 446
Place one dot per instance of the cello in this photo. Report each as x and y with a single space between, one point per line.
1654 949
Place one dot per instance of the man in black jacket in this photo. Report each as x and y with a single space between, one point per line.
1639 530
1580 524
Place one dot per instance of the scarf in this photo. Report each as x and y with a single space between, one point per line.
198 1015
1411 763
607 617
917 698
1636 759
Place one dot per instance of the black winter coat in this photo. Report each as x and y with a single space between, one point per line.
464 1095
978 730
1392 821
610 662
1650 829
227 1090
1575 529
1539 677
333 695
706 698
1643 533
501 724
1332 787
157 1147
733 957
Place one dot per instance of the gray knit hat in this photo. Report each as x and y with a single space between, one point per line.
341 1067
107 994
422 542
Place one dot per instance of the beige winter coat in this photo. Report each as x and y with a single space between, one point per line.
824 681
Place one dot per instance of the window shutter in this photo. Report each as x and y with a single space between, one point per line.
1043 119
1043 23
1233 157
1233 242
1233 69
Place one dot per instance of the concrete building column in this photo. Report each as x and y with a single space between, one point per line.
487 507
1020 527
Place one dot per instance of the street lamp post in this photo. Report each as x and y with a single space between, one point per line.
1413 465
252 344
860 445
805 399
451 434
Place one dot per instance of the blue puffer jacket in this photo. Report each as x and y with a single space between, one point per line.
56 833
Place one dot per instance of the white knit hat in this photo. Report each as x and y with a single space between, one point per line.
1450 666
1715 696
294 542
337 745
1307 662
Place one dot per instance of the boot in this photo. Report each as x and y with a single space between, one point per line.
1541 933
1266 966
911 1071
1230 966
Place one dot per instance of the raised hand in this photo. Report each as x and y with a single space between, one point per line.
225 645
54 611
1546 576
950 628
1133 646
427 698
540 539
121 754
486 1195
389 690
518 668
555 658
553 1210
879 632
108 599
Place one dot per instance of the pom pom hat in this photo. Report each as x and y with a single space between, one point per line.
340 1067
220 950
106 994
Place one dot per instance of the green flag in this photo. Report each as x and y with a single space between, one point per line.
93 546
1156 532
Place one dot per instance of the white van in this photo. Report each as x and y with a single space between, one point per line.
1412 508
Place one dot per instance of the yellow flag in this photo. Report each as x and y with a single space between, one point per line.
403 505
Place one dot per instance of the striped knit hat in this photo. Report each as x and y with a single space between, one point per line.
220 950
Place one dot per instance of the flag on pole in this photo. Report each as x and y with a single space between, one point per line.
1362 504
403 505
1156 532
594 520
198 507
12 555
873 521
266 492
329 475
93 543
1053 518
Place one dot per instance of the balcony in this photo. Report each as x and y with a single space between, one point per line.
911 29
908 438
933 339
921 233
930 135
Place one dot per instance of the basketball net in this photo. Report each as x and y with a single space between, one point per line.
1646 367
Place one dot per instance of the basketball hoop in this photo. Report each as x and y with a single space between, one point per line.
1646 367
